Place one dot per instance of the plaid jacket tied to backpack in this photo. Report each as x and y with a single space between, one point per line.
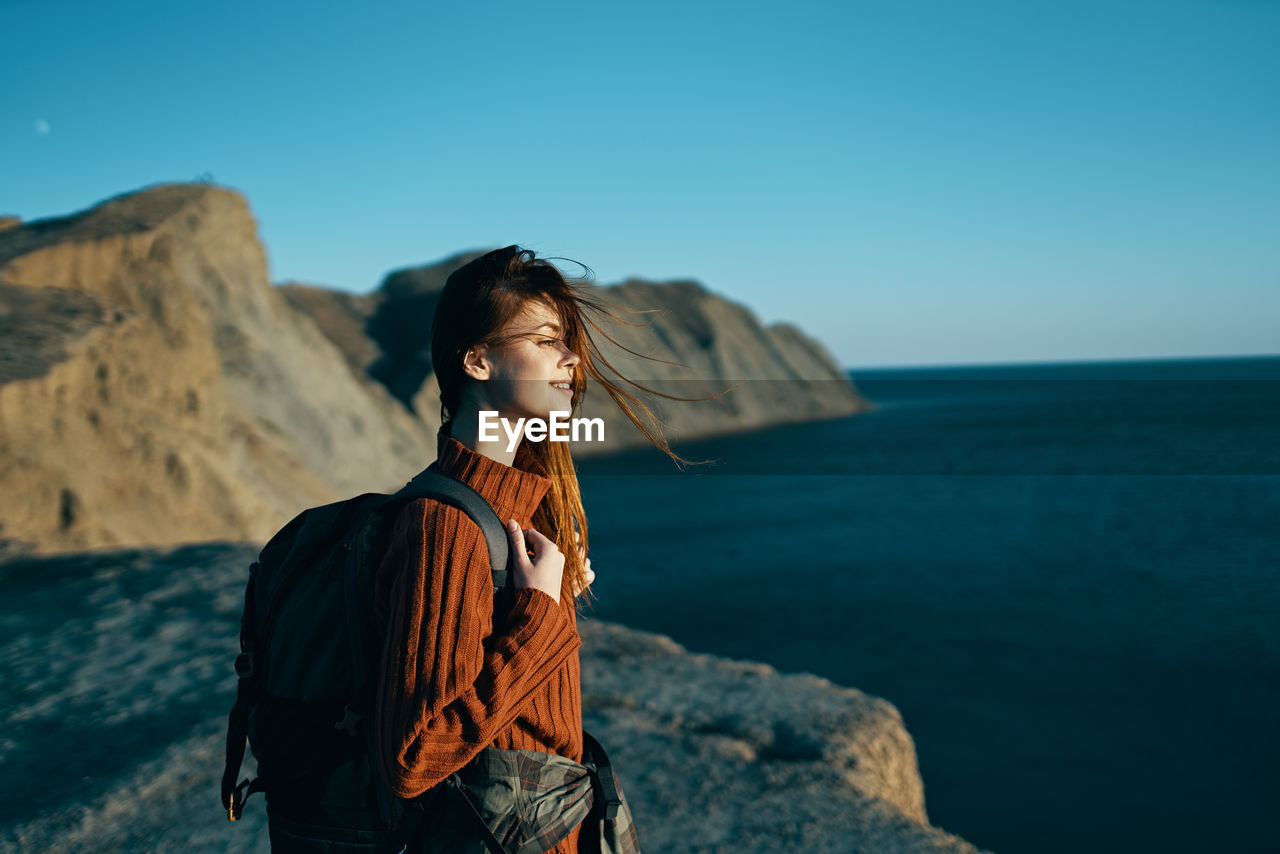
527 801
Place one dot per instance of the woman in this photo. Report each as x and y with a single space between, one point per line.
509 332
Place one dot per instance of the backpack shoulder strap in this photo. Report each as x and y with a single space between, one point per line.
432 484
428 484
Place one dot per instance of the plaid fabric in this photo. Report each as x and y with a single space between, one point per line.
531 801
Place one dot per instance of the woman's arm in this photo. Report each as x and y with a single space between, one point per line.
449 684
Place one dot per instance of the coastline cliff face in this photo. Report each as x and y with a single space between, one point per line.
186 399
700 345
155 388
684 340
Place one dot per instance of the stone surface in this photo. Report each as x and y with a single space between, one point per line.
123 658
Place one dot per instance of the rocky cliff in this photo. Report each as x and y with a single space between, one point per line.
690 343
155 388
173 394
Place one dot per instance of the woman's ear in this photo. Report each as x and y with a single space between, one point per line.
475 362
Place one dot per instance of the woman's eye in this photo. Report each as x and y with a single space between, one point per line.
547 341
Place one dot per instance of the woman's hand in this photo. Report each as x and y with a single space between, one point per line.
545 571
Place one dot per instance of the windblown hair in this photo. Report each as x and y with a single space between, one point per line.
479 300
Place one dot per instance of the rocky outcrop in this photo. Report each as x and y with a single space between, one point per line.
155 388
342 318
162 391
714 754
677 338
385 335
698 344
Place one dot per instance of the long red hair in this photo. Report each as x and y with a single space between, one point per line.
477 303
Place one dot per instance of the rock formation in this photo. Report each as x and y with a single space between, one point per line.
691 343
155 388
173 394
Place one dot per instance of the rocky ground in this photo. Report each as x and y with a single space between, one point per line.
118 681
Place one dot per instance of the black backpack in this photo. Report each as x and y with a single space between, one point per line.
307 673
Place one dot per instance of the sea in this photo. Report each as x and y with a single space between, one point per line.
1064 575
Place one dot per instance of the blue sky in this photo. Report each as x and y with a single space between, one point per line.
910 182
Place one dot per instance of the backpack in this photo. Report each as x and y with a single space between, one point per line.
307 673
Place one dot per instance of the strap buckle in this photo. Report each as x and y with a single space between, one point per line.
235 800
601 772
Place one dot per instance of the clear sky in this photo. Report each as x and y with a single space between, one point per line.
910 182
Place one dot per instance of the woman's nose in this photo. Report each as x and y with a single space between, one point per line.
570 358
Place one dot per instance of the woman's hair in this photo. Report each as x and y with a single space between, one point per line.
479 300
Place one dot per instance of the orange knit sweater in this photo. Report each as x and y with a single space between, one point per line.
451 681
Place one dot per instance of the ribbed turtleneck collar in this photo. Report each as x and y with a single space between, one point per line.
514 491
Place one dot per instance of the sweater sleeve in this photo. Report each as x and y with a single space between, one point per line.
449 683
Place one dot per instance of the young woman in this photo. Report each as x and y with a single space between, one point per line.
509 336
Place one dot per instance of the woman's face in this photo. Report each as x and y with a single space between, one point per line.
523 369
